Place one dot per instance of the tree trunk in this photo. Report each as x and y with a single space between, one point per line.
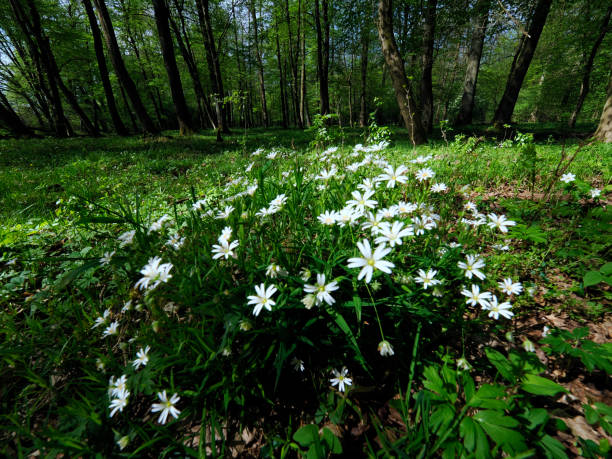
429 29
588 66
481 18
323 55
395 65
162 16
103 69
304 117
604 130
11 121
212 58
260 69
365 39
120 70
522 59
283 94
293 62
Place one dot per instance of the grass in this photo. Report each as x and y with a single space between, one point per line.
63 204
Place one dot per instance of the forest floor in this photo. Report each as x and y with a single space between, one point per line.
53 194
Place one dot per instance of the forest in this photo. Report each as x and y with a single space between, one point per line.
306 228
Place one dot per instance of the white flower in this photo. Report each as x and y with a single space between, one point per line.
463 364
348 216
420 159
500 222
470 207
528 346
509 287
373 222
224 249
370 261
102 319
142 357
298 365
106 258
153 274
159 224
226 234
393 176
166 407
424 174
367 185
389 212
501 247
279 201
427 278
249 167
340 379
385 348
305 274
361 201
99 364
225 213
262 298
251 190
111 329
120 402
322 290
116 386
123 442
275 270
393 234
472 267
568 178
325 175
198 204
257 152
438 187
405 208
328 217
126 238
595 193
496 310
422 224
477 297
545 331
175 241
309 301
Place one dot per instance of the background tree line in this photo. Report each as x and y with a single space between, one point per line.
129 66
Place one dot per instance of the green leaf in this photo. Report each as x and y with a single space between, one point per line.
606 269
307 435
71 275
332 442
502 364
592 278
500 429
537 385
553 449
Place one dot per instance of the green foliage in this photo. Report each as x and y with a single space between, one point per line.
574 345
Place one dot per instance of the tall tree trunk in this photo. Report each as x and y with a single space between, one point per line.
304 117
395 65
522 59
260 69
588 66
212 58
365 39
429 29
604 130
322 55
294 52
162 16
120 70
481 19
11 121
103 69
283 94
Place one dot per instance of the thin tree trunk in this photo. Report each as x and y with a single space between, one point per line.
128 109
429 29
120 70
481 18
162 16
588 66
11 121
260 69
103 69
293 62
305 119
283 94
604 130
365 41
322 55
522 60
395 65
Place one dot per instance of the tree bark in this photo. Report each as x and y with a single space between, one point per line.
304 116
260 69
604 130
429 29
11 121
395 65
522 60
162 17
588 66
365 39
103 69
481 19
120 70
323 54
283 94
293 63
212 58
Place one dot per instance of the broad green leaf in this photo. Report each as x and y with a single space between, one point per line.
332 442
500 429
553 449
306 435
592 278
538 385
606 269
502 364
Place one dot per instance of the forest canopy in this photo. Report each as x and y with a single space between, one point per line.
129 66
